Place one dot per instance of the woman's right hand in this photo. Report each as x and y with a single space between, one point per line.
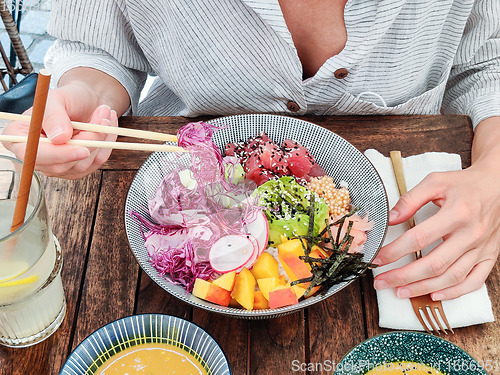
72 102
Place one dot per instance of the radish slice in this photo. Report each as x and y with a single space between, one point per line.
259 229
256 252
231 252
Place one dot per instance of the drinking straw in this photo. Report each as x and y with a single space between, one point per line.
42 90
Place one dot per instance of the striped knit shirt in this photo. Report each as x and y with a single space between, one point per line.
218 57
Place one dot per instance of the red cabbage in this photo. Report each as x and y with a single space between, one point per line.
189 220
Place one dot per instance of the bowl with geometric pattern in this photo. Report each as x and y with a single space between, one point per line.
176 338
409 353
338 158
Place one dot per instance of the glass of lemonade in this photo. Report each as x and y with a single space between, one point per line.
32 303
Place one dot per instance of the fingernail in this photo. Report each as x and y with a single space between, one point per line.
437 296
380 284
393 215
403 293
104 110
377 261
81 154
55 132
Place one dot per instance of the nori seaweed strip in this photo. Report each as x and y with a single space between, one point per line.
310 238
336 267
304 247
311 285
346 238
340 265
304 280
349 269
311 224
330 237
309 259
337 240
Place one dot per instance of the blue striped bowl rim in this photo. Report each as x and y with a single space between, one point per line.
141 329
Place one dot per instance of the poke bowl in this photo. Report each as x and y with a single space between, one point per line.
179 340
335 156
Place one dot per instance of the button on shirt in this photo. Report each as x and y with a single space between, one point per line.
221 57
341 73
292 106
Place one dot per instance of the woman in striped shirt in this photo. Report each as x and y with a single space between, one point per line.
323 57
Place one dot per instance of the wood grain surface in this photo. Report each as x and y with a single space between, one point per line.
103 281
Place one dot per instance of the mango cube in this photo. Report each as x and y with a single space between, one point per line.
210 292
265 266
267 284
259 301
244 289
298 290
283 280
296 269
282 296
291 247
288 253
226 281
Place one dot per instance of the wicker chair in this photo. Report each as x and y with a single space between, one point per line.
18 96
17 48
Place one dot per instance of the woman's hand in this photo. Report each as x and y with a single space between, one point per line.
84 95
468 221
59 159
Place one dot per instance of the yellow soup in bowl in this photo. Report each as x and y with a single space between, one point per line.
406 368
152 359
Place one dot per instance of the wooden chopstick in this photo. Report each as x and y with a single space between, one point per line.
102 144
397 167
135 133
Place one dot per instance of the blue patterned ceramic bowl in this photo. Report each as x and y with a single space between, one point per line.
141 329
417 347
340 160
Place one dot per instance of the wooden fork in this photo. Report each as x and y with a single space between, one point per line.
421 304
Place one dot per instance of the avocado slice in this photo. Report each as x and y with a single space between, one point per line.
286 205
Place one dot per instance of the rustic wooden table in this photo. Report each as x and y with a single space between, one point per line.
103 281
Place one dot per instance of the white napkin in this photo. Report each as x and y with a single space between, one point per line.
472 308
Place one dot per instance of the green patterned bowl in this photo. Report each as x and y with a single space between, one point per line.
411 347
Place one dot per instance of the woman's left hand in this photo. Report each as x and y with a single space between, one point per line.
468 221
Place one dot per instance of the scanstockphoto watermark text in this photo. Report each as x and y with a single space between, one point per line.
362 366
26 5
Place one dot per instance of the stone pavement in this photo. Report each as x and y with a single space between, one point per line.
36 14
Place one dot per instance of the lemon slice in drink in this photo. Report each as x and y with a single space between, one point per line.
26 280
7 267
